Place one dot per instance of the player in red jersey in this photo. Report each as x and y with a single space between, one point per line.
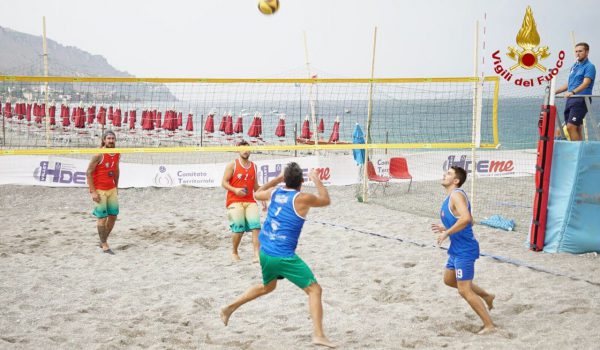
103 180
240 180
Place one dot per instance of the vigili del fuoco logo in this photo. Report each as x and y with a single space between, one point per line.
528 56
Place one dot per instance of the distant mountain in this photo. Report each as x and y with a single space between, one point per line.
22 54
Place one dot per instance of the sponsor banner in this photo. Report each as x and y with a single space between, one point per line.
45 171
336 170
69 172
429 166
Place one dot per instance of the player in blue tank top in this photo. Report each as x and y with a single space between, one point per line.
281 229
464 248
278 240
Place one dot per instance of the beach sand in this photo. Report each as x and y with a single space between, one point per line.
380 271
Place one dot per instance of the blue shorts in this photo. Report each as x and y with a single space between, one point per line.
575 111
464 268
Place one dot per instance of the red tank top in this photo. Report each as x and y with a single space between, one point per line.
106 169
242 177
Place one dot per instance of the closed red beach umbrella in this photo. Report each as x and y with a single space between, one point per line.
189 126
28 113
253 129
305 131
335 133
280 129
228 125
239 126
321 127
222 124
117 117
209 125
52 114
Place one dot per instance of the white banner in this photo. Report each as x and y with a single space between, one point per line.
429 166
334 170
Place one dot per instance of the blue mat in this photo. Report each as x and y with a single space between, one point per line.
574 204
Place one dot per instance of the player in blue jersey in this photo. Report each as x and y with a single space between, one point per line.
278 237
464 248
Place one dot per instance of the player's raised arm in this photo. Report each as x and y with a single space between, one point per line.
264 192
321 199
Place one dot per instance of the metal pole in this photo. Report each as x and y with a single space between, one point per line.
46 99
475 137
369 115
386 140
201 128
295 138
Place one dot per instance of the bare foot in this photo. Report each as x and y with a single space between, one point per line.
225 314
235 257
323 342
489 300
256 259
487 330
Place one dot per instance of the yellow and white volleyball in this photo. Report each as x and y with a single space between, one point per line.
268 7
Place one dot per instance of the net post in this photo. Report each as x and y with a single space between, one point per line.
46 92
369 116
476 117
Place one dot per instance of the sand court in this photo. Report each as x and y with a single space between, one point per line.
172 273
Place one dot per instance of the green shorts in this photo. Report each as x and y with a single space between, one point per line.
243 217
108 205
293 269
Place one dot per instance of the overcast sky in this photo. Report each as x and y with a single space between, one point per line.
230 38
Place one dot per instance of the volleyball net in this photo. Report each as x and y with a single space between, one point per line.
149 114
194 125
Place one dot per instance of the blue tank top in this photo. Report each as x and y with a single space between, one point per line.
462 243
281 229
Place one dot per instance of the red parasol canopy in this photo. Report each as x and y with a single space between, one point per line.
305 131
228 125
28 114
20 110
7 110
209 125
147 120
110 113
117 118
64 112
166 124
222 124
280 129
259 125
131 117
41 112
79 117
239 126
158 120
189 126
133 114
172 120
91 115
52 113
179 120
253 131
102 116
335 133
321 127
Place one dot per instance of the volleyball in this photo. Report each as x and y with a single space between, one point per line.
268 7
